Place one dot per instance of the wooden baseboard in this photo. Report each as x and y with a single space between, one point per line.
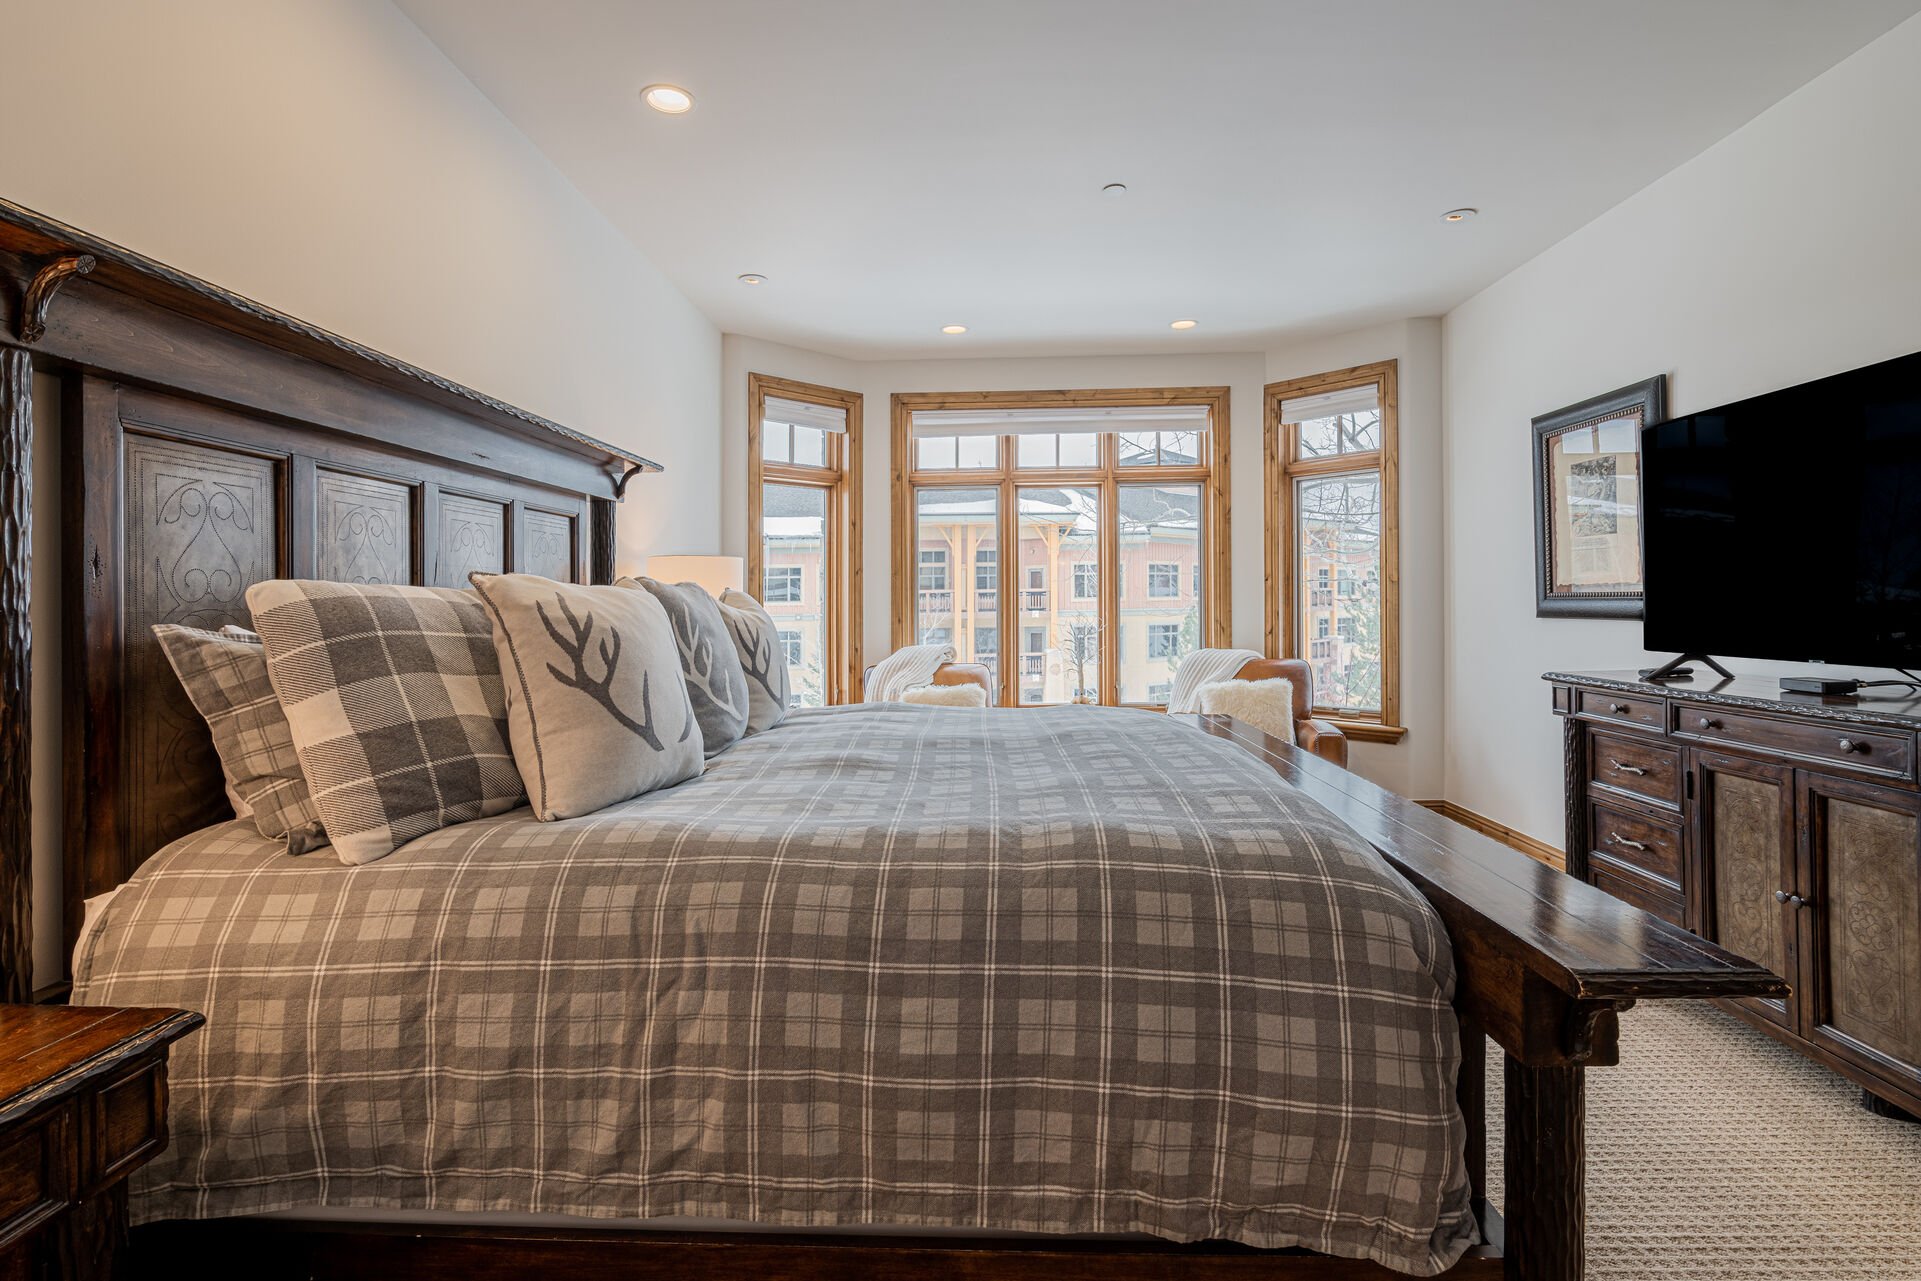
1539 851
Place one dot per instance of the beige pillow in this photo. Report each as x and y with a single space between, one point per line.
394 698
762 657
225 676
596 707
946 696
1267 705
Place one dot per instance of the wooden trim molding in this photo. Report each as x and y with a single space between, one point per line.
1539 851
1280 561
16 675
841 478
1211 476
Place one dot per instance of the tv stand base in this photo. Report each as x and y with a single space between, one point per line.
1672 669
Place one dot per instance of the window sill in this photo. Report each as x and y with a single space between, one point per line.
1366 731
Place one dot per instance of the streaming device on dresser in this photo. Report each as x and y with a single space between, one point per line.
1826 685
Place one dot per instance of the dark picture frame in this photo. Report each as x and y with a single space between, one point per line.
1587 503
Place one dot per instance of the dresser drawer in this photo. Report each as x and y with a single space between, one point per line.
35 1176
128 1123
1885 753
1622 709
1621 837
1651 771
1633 886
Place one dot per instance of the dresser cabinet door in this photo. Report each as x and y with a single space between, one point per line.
1745 836
1862 924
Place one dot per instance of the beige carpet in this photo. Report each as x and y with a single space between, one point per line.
1715 1154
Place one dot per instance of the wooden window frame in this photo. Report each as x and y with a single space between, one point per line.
1006 478
839 478
1280 470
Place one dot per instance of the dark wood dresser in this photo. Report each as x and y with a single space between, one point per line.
1785 827
83 1104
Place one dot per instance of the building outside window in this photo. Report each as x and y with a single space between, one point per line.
782 585
803 486
933 571
1114 496
1332 507
790 644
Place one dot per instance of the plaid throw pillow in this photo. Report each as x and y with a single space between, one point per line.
396 704
225 676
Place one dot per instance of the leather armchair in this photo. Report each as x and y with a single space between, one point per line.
951 674
1311 734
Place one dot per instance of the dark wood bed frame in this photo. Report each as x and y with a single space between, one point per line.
210 442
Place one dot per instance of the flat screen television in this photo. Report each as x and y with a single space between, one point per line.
1788 526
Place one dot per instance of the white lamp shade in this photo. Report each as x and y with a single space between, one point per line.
715 573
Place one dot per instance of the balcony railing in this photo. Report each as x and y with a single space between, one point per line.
932 602
987 601
1320 597
1034 600
1033 664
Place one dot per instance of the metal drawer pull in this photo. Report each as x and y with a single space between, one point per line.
1619 839
1851 745
1793 900
1619 709
1626 769
1708 722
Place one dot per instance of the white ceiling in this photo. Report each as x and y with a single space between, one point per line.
897 165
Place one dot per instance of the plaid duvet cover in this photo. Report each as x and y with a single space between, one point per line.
1073 970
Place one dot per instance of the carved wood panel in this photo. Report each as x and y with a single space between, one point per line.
550 550
201 527
1749 850
363 529
472 536
1873 919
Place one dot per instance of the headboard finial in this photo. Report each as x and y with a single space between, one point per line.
40 291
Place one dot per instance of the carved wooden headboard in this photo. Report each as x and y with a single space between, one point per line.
210 443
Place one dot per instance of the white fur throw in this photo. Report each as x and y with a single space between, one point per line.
947 696
1266 705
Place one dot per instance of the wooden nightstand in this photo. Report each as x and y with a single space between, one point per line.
83 1103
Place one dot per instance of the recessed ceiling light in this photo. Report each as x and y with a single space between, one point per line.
1114 189
953 329
1458 215
670 99
1184 324
751 278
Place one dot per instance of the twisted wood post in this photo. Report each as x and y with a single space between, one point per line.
16 675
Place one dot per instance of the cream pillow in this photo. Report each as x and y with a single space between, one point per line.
1266 705
596 708
946 696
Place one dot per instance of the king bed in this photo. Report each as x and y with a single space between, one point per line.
1148 993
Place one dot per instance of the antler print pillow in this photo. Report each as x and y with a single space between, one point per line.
596 709
715 681
762 658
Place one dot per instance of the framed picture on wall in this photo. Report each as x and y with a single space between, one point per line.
1587 503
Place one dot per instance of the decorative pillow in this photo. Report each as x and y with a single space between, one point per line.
946 695
596 707
225 676
708 660
396 705
763 659
1267 705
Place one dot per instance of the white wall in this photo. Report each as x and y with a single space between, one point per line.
1412 766
1786 252
323 157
